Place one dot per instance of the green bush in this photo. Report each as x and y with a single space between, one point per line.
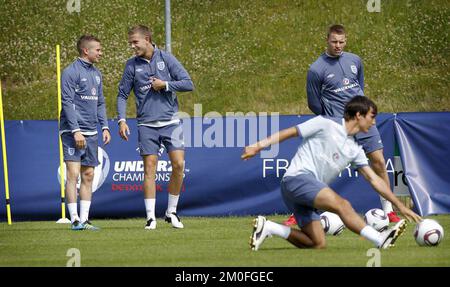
242 55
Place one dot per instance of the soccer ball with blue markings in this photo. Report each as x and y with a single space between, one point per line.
331 223
377 218
428 233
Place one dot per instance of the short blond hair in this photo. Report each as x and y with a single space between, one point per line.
141 29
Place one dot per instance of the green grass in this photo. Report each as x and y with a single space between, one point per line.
242 55
203 242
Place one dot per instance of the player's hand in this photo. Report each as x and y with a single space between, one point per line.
410 215
106 136
249 152
80 141
124 131
157 84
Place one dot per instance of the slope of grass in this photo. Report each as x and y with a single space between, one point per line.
242 55
203 242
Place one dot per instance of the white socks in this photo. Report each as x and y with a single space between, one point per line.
150 207
172 203
151 202
84 210
73 211
278 229
371 234
386 205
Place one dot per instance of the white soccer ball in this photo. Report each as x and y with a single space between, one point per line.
331 223
377 218
428 233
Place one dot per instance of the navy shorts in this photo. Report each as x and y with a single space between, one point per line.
87 156
370 141
150 139
298 193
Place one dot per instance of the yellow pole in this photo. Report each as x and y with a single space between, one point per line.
61 156
5 160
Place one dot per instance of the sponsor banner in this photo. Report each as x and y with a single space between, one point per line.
216 181
424 145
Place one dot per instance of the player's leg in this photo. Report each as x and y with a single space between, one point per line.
378 164
72 173
310 236
72 159
176 181
89 160
149 144
172 138
87 178
328 200
150 162
298 194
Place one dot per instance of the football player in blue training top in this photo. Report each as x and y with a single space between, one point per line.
327 148
155 76
333 80
83 107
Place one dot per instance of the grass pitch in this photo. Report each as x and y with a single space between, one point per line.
203 242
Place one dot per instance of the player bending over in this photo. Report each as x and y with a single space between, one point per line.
328 146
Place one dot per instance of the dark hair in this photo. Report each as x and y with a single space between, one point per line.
81 44
336 28
359 104
141 29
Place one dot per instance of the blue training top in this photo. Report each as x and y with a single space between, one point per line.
332 82
151 105
83 103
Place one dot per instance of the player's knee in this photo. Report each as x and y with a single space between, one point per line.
72 175
322 244
150 167
378 164
88 175
178 166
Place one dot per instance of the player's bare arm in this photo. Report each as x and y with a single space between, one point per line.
252 150
380 186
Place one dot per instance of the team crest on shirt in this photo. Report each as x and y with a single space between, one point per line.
160 65
346 81
93 91
71 151
354 69
97 78
335 156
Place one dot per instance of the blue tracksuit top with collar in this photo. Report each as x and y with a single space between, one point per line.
83 103
153 105
332 82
